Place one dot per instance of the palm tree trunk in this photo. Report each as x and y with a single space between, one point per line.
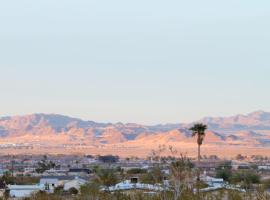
198 170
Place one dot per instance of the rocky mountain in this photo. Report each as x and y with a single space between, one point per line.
258 120
51 129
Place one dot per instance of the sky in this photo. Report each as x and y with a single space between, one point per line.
134 61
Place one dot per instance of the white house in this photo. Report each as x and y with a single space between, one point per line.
29 170
49 183
75 183
127 185
264 167
21 191
218 183
55 172
213 182
79 172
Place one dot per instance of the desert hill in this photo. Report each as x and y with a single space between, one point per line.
48 131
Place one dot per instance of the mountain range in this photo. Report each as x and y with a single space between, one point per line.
45 130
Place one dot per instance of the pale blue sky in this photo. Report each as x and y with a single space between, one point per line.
134 61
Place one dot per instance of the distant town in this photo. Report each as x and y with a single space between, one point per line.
48 156
102 177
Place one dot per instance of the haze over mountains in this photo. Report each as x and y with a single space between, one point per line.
57 130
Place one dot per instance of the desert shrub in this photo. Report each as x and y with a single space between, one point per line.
224 171
73 191
226 174
155 175
107 177
90 189
261 193
7 178
59 190
147 178
246 178
235 195
44 196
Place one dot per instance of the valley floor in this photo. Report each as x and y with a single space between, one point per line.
139 151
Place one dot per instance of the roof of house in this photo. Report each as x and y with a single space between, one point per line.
78 179
48 180
25 187
211 179
127 185
61 178
88 171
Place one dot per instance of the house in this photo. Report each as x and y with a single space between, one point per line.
244 166
28 171
56 172
240 165
213 182
79 172
50 183
75 183
218 183
128 185
263 167
20 191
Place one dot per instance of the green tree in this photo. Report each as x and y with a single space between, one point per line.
246 178
107 177
44 165
225 174
224 171
154 176
7 178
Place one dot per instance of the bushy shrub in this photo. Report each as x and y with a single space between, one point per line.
73 191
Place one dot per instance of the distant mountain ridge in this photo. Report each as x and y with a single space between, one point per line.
258 120
49 129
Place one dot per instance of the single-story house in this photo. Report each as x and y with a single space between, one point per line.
79 172
75 183
213 182
51 182
20 191
128 185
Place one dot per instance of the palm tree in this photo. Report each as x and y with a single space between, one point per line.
199 131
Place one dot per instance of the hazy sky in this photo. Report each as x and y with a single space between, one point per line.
145 61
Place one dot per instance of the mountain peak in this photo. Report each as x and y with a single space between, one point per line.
260 114
49 129
252 121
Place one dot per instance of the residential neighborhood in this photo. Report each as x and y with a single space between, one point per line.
24 176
